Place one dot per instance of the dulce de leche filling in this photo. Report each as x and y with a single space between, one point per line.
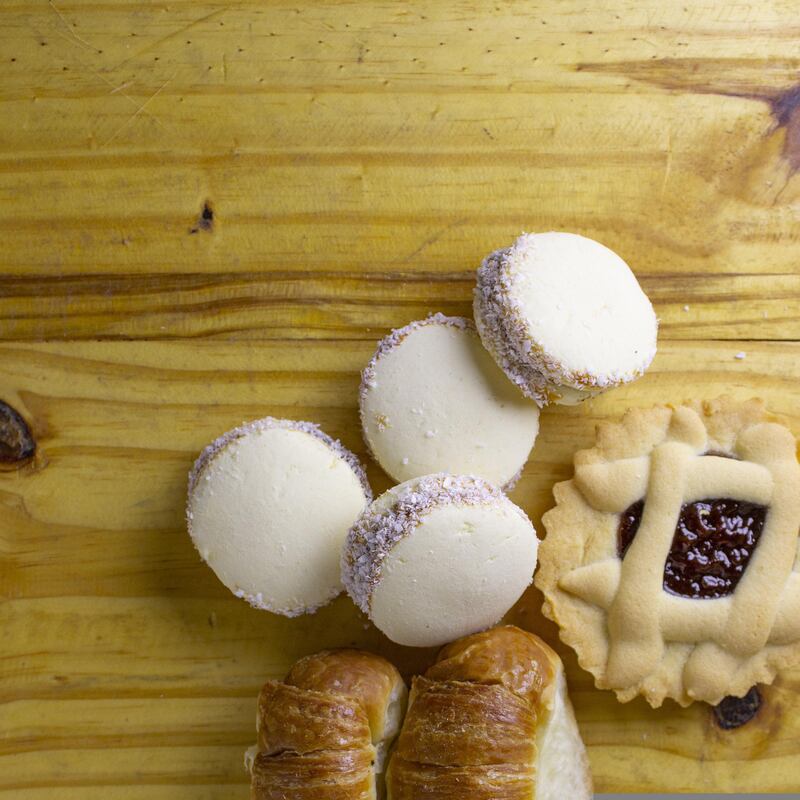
711 547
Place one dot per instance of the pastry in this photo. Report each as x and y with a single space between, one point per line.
433 400
438 557
269 507
324 733
671 558
564 317
491 719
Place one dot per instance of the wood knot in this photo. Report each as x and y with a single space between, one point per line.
17 445
205 222
733 712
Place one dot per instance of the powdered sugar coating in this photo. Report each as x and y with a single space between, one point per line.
501 323
393 339
382 526
502 330
262 604
510 484
220 443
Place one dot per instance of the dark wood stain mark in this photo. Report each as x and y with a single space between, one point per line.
786 110
733 712
742 78
17 445
205 222
736 77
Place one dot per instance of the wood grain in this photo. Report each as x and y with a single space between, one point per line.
651 129
331 306
210 211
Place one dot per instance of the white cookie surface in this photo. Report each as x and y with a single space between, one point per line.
434 400
269 510
582 305
459 571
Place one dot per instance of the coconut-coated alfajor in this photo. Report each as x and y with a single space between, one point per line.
433 400
439 557
564 317
269 506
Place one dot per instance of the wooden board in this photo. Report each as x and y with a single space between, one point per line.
209 211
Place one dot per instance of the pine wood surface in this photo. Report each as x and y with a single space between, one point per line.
209 212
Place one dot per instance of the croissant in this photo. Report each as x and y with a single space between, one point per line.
490 720
324 732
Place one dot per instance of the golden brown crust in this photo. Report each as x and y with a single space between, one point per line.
633 637
324 775
303 721
322 733
415 781
355 674
520 661
478 721
452 723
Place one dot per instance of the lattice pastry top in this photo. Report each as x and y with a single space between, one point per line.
671 560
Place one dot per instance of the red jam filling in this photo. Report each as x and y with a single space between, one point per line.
711 548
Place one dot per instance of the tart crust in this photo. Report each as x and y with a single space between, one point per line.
634 637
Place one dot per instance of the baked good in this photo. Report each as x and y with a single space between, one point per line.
491 720
438 557
269 507
671 558
433 400
324 732
564 317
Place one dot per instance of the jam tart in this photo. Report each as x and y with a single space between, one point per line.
671 560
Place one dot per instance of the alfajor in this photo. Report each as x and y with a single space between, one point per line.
269 507
564 317
438 557
433 400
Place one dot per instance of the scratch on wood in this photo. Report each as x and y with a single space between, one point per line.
179 32
114 89
70 29
432 240
668 167
138 111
